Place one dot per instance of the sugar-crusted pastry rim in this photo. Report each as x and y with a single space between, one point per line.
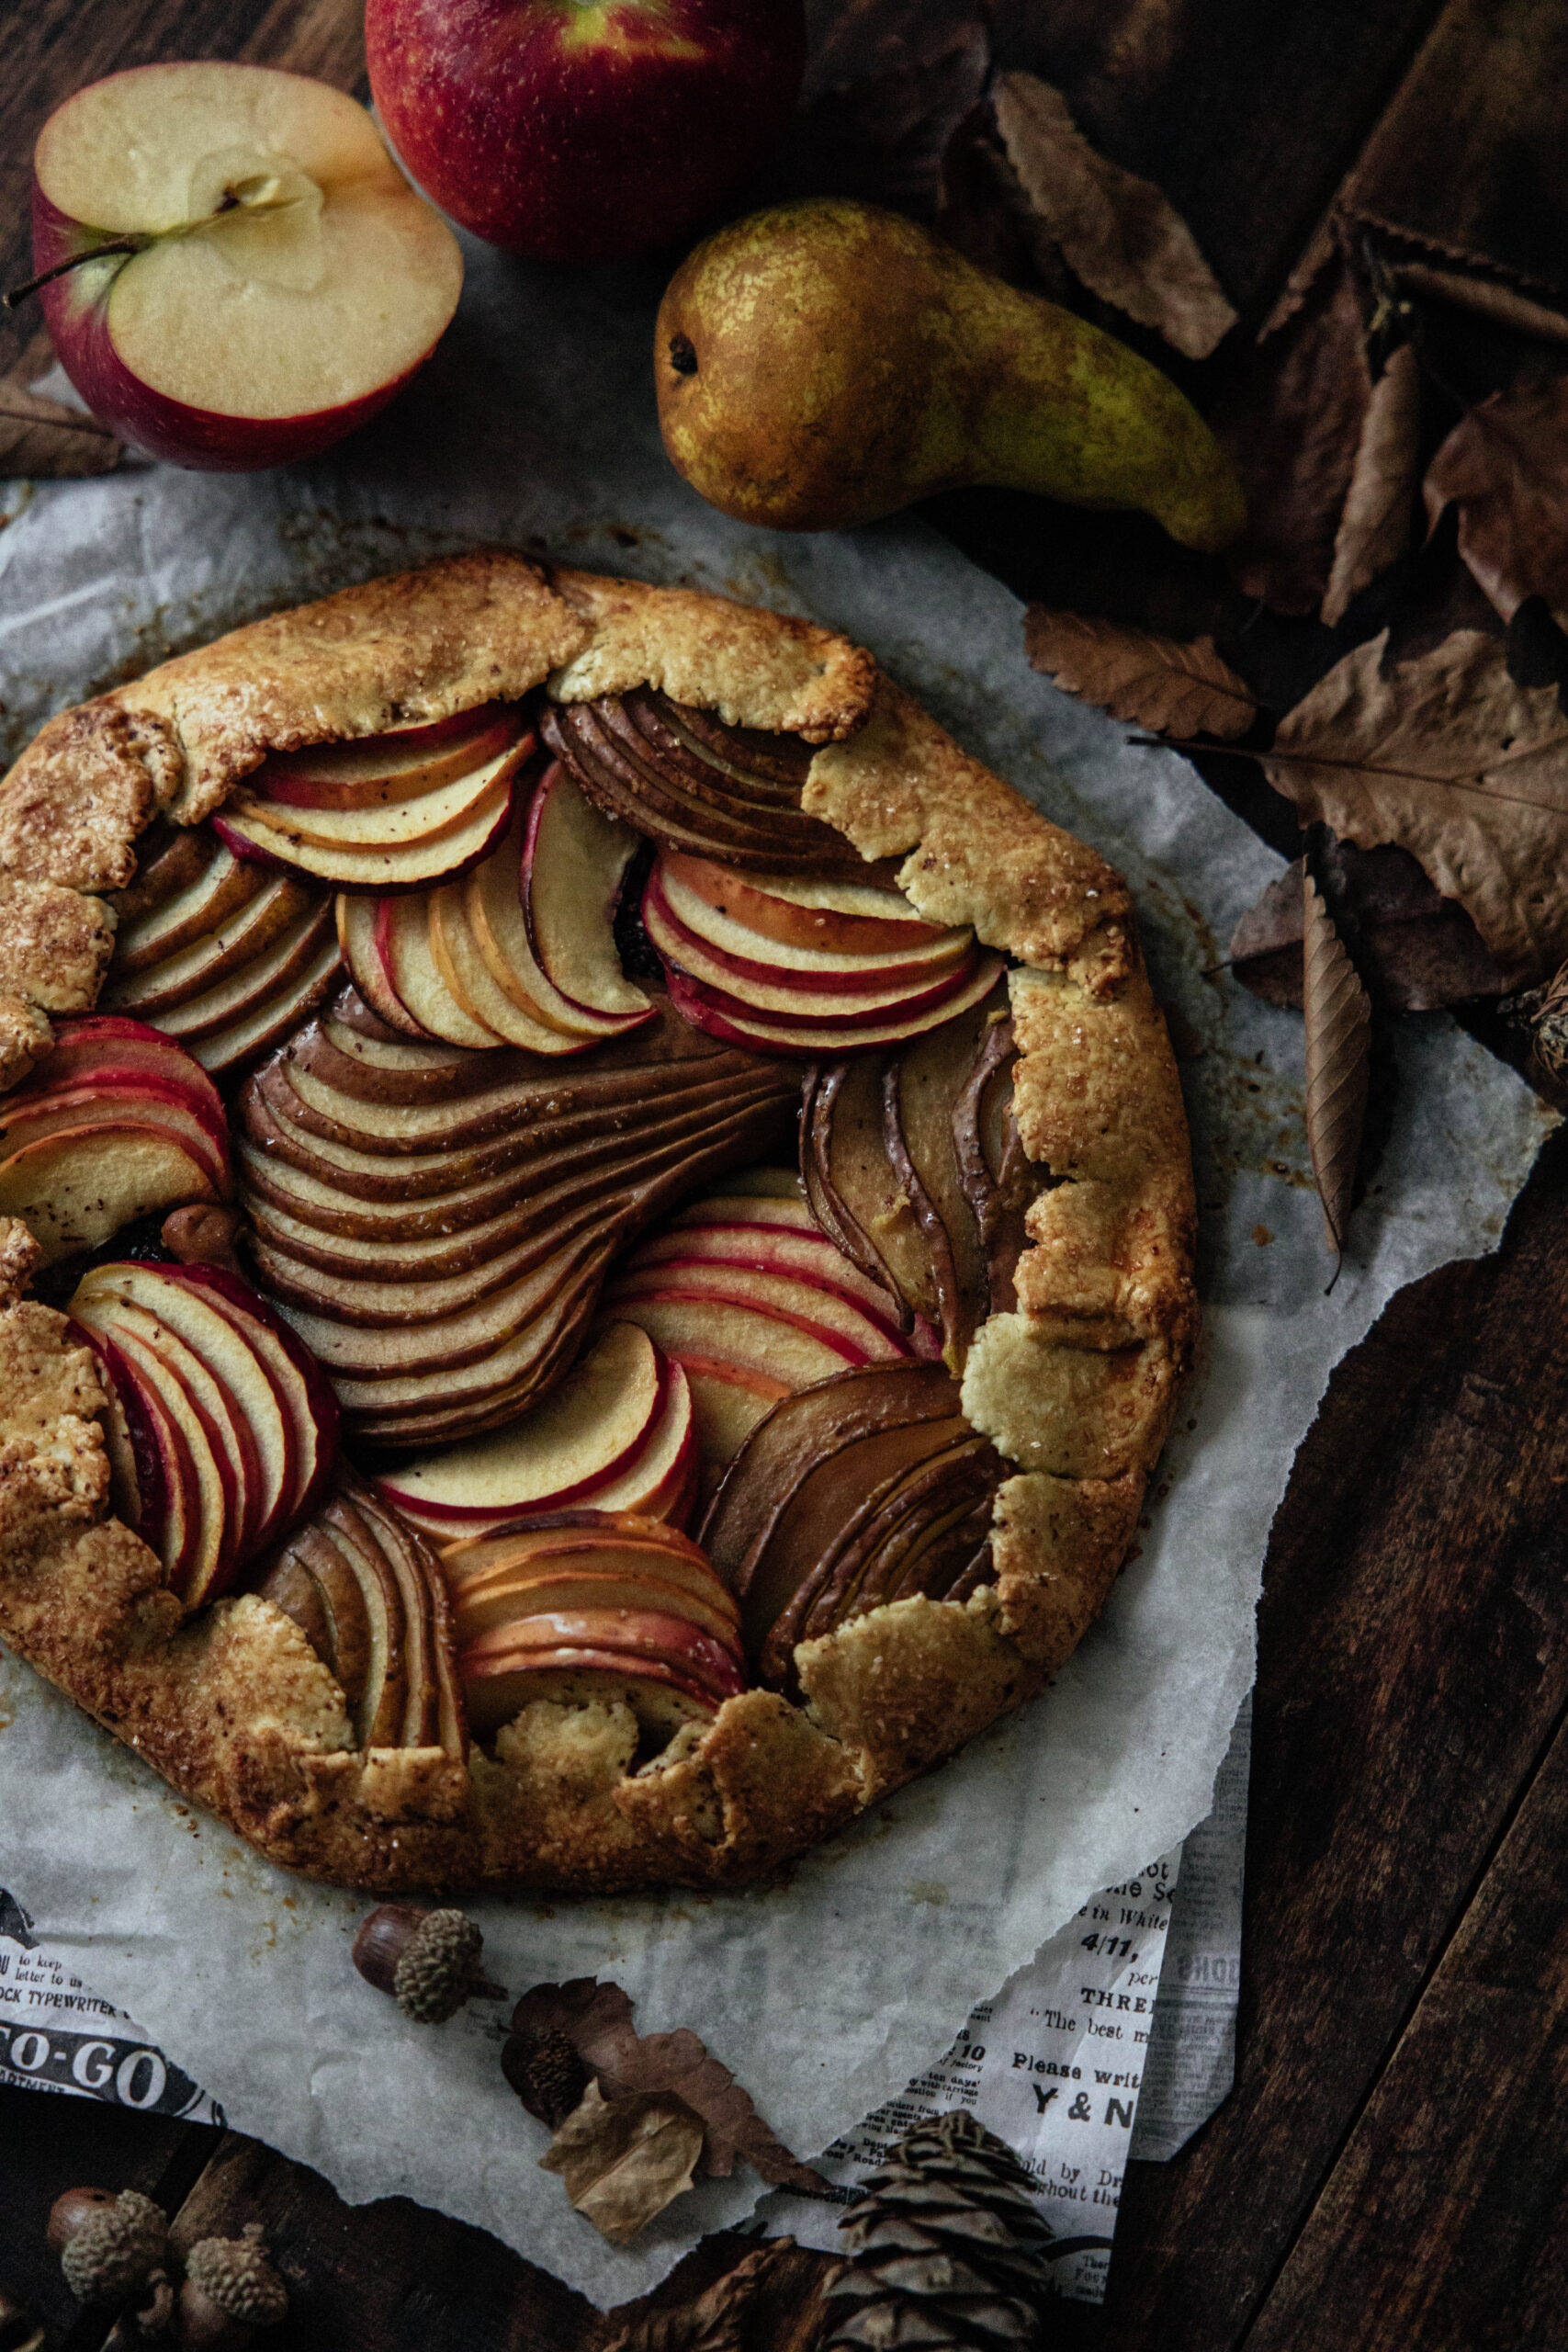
1075 1388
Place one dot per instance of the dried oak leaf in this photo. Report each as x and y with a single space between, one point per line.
598 2018
1446 756
1374 528
1417 949
42 440
1505 465
1290 415
623 2160
1338 1015
1121 235
1176 689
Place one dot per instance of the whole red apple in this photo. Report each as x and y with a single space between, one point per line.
582 131
266 277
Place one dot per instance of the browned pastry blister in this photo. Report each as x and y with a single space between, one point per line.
915 1546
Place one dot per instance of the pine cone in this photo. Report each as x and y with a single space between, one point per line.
944 2248
546 2073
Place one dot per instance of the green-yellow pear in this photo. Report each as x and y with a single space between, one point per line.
824 363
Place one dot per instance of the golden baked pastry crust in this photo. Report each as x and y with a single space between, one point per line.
1075 1388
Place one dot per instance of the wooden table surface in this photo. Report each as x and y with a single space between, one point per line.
1392 2167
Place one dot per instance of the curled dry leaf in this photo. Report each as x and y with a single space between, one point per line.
885 91
623 2160
1446 756
1338 1062
712 2322
1505 465
1418 950
1176 689
42 440
598 2020
1374 529
1121 235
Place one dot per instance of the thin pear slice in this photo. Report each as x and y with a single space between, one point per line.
149 991
251 987
217 894
234 1047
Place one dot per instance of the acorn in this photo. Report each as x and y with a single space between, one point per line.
108 2245
429 1960
231 2290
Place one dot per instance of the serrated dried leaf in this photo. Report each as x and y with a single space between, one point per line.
1291 415
1415 949
1121 235
1374 529
1338 1016
42 440
1505 465
1173 688
884 93
623 2160
598 2017
712 2321
1502 305
1446 756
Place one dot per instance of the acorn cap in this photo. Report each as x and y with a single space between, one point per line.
236 2275
112 2247
438 1967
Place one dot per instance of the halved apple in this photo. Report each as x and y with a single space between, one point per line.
574 862
283 279
374 770
844 918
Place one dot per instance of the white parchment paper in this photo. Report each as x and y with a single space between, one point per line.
828 1992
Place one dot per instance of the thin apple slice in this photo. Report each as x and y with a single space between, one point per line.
384 1704
574 862
727 1402
426 817
410 969
99 1047
863 993
802 964
279 903
234 1047
412 865
465 974
26 1116
355 1509
210 1560
846 917
255 983
497 1685
175 1535
805 1303
657 1477
223 892
737 1331
297 1377
374 770
585 1435
494 907
74 1189
504 1597
728 1022
137 1476
724 1235
356 920
636 1633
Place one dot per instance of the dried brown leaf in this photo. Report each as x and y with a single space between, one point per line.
1121 235
1374 529
1500 304
623 2160
1290 417
42 440
884 90
711 2322
1466 769
1415 949
1505 465
1339 1014
598 2017
1176 689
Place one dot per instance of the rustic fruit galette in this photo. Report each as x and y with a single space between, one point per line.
609 1226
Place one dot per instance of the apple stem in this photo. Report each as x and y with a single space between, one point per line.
18 294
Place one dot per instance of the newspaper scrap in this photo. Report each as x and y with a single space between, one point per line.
57 2036
1118 2041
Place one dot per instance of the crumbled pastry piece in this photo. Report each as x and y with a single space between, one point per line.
25 1039
55 945
74 803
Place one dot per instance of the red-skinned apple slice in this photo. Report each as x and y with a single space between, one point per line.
408 965
413 867
25 1118
634 1634
468 977
235 1389
731 1023
578 1531
727 1402
755 955
506 1597
99 1047
284 279
74 1189
782 996
493 904
845 918
805 1304
733 1331
296 1375
356 919
176 1536
374 770
501 1684
425 817
136 1464
211 1558
581 1438
766 1247
574 861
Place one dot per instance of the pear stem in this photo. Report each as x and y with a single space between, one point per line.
18 294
